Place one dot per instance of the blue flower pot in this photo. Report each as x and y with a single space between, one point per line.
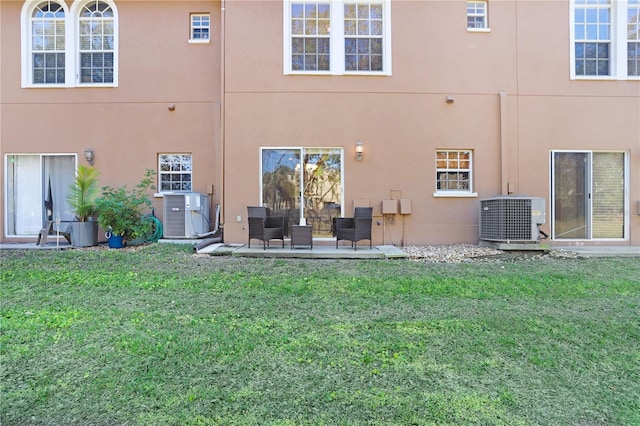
116 241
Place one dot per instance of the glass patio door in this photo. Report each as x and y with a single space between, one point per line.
32 182
303 182
588 195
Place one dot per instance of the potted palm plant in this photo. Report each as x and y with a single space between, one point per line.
120 211
82 200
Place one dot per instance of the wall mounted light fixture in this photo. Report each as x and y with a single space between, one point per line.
450 99
88 154
359 150
171 107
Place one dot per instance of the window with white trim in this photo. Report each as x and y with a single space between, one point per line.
200 28
453 171
64 47
48 43
174 172
605 36
633 38
97 43
477 15
337 37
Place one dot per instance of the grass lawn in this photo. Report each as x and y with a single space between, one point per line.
160 336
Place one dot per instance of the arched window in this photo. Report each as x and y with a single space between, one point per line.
96 36
47 41
67 47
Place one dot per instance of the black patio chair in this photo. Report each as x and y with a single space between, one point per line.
355 228
264 227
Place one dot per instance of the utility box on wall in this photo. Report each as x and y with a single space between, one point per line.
389 206
405 206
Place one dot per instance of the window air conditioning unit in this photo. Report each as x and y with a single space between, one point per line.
185 215
511 219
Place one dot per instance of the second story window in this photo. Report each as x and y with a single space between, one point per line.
69 46
97 43
200 28
310 26
605 38
48 43
633 38
337 37
477 15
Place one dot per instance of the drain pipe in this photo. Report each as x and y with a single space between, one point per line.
223 106
504 145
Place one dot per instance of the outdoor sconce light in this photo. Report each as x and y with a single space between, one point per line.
359 150
172 107
88 154
450 99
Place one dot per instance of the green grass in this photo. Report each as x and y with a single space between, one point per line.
159 336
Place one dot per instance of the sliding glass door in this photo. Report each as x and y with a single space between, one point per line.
36 188
588 195
303 182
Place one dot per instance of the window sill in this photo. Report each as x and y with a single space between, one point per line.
455 194
199 41
479 30
345 73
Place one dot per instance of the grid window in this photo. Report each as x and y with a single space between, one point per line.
48 43
363 30
605 37
477 15
310 38
453 170
67 46
200 27
592 37
175 172
633 38
97 43
337 36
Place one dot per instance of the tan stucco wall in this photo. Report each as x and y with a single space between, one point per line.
402 119
126 126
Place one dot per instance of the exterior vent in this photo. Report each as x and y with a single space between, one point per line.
185 215
511 219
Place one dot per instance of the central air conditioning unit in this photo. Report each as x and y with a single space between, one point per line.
510 219
185 215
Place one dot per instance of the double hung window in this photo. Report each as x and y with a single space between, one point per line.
477 15
337 37
605 39
67 47
454 173
48 43
200 28
97 41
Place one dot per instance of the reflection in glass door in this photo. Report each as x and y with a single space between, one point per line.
303 182
588 195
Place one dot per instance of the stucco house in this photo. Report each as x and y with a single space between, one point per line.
417 108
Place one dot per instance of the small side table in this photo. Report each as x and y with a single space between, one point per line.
301 235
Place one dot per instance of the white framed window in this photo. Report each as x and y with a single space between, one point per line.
48 43
604 39
633 38
96 37
477 16
200 28
73 47
454 175
337 37
175 172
